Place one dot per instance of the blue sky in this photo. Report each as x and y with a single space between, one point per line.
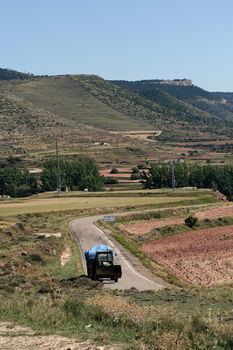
121 39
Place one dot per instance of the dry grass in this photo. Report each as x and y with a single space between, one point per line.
136 321
65 96
61 204
119 306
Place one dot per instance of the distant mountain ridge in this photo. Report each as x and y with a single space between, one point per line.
181 110
215 105
172 82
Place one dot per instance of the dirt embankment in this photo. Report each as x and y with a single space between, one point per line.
202 257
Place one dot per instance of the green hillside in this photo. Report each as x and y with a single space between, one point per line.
177 120
27 129
66 97
226 99
202 99
93 101
199 100
83 107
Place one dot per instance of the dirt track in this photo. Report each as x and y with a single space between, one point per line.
141 135
13 337
133 273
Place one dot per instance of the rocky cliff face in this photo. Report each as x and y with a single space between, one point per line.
175 82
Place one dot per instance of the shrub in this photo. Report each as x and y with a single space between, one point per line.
141 166
198 324
191 221
136 176
36 258
207 220
114 171
110 181
135 170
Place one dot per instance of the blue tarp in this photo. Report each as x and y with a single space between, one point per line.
90 254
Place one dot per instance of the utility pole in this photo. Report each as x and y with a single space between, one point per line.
58 169
173 175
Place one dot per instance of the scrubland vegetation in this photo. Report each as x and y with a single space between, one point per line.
37 291
41 277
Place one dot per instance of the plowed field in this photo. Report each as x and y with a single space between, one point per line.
122 173
145 226
215 213
202 257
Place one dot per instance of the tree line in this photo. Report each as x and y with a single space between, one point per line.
185 175
15 182
84 173
76 175
10 74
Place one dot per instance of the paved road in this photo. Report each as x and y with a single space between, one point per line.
133 273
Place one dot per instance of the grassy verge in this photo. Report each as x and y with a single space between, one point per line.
117 201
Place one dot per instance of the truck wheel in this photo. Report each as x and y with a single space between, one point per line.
93 277
116 279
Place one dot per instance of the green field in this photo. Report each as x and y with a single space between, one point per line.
65 96
103 201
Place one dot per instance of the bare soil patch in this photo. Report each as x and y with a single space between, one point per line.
35 171
66 255
119 175
13 337
47 235
122 172
202 257
142 135
215 213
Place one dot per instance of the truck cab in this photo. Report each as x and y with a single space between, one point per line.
101 265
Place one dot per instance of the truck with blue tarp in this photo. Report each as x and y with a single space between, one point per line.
100 263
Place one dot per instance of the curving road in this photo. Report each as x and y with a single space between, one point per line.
134 274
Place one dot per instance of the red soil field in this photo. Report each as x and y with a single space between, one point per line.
201 257
122 172
215 213
119 175
145 226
